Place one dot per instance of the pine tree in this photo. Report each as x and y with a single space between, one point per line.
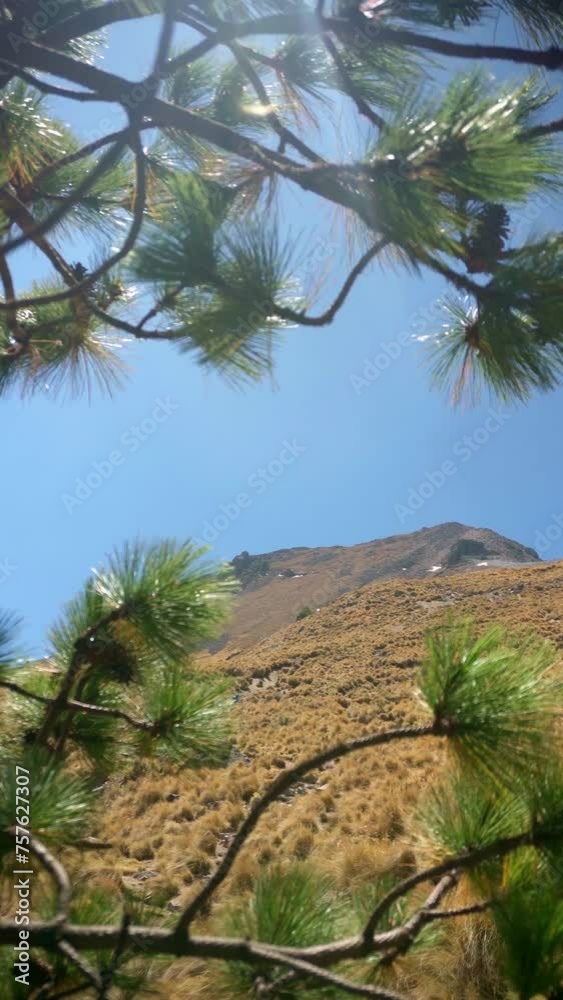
181 205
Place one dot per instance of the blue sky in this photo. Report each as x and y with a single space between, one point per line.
335 452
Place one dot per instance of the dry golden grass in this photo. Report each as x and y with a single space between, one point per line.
346 671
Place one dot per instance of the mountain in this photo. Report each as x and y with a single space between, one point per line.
276 586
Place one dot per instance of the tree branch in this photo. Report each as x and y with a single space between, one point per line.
327 317
49 88
80 706
40 228
349 86
165 40
79 659
465 861
322 975
277 788
80 287
80 962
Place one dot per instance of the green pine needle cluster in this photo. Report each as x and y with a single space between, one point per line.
221 283
498 698
61 804
511 341
290 905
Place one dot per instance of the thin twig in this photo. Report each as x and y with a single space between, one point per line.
120 947
80 154
74 956
103 164
327 317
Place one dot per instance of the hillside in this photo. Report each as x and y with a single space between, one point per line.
345 671
277 585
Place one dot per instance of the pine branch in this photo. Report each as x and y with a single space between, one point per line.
161 941
41 228
465 861
322 975
10 298
57 872
404 938
72 705
285 134
345 27
18 213
78 288
121 135
165 40
349 86
79 659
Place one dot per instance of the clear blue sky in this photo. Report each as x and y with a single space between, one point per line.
356 450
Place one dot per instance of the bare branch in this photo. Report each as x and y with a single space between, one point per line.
460 911
277 788
327 317
465 861
323 976
347 27
77 959
405 937
165 40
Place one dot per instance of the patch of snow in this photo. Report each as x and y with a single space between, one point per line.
483 564
434 569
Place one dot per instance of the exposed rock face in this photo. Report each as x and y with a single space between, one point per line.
467 549
277 585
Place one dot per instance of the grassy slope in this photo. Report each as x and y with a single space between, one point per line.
346 671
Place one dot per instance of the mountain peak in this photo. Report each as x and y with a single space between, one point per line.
277 586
